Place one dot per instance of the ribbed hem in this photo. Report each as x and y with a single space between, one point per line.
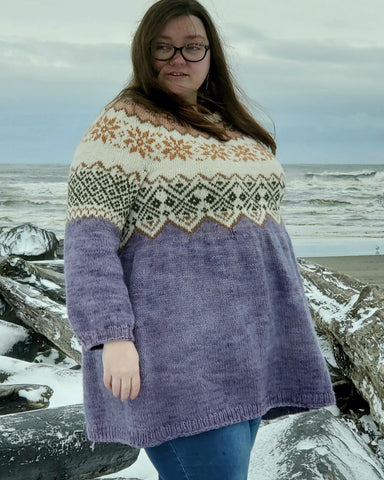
96 338
226 416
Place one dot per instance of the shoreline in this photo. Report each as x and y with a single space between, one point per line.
368 269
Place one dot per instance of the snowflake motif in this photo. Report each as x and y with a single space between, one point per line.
106 129
243 153
139 141
264 156
176 148
213 151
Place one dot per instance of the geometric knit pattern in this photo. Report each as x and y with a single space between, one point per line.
141 171
95 192
188 202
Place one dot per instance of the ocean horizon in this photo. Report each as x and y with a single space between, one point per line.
328 209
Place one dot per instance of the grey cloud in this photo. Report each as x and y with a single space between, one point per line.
28 56
51 71
240 30
304 50
274 69
325 52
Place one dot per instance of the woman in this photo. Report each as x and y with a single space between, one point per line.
182 284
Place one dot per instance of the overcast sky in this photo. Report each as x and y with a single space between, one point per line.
316 67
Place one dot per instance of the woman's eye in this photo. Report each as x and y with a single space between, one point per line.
194 47
163 47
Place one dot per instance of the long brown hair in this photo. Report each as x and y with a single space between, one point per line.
218 94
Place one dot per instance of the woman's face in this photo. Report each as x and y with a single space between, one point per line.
177 75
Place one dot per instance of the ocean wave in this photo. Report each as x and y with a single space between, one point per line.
359 174
24 203
328 203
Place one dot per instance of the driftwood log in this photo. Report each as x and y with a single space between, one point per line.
313 446
20 398
51 444
47 281
351 315
42 314
28 241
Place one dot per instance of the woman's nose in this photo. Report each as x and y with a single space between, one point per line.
177 58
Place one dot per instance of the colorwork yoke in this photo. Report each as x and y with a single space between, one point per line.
174 240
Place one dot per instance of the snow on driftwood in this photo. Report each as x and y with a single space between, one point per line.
11 335
47 281
51 443
312 446
28 242
62 378
351 315
42 314
19 398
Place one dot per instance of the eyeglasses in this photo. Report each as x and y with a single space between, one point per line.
194 52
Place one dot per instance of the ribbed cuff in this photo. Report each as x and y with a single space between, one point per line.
93 339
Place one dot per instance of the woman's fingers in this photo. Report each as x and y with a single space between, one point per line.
125 389
135 388
107 380
116 386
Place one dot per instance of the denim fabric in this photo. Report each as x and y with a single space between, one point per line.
220 454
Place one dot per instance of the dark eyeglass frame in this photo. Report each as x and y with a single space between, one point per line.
180 49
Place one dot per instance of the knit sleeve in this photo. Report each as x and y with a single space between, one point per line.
102 185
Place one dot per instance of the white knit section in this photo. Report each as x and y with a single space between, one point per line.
171 176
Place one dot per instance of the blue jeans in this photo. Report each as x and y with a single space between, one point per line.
219 454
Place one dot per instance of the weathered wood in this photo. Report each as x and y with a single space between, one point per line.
28 242
3 305
21 398
313 446
351 315
60 248
48 282
42 314
57 265
51 444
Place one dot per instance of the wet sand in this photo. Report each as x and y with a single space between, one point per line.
366 268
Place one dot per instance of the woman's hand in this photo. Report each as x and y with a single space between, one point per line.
121 369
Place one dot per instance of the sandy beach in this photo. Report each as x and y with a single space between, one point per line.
366 268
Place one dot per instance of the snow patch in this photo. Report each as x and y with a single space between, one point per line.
34 396
65 382
364 314
10 334
49 284
75 344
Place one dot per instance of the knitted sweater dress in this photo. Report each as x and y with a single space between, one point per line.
174 240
